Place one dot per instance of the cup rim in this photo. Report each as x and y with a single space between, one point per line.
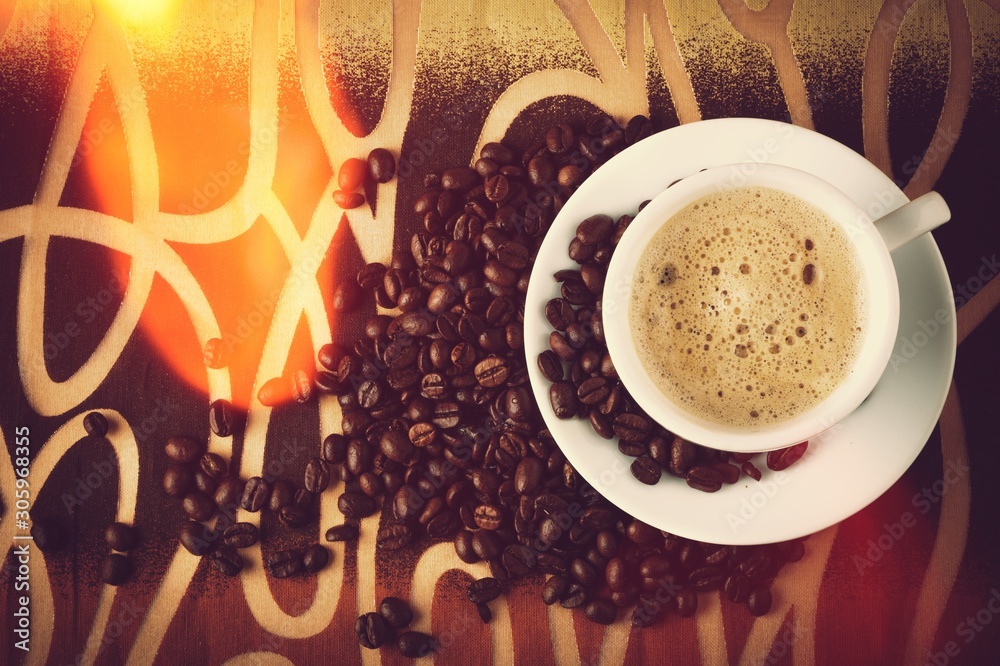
877 273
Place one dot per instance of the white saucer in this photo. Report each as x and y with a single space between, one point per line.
850 465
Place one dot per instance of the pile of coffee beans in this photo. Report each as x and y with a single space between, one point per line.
592 390
438 418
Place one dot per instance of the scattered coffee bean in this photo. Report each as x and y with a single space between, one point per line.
782 459
484 590
221 418
600 611
121 537
240 535
227 561
317 475
371 630
396 612
285 563
184 449
256 493
415 644
116 569
96 424
47 535
759 601
381 165
346 532
197 539
315 558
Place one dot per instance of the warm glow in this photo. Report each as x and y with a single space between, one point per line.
138 11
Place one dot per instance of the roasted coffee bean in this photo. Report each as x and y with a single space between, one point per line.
178 480
96 424
595 230
705 479
703 579
394 537
352 174
256 493
198 506
518 560
395 612
463 547
603 427
759 601
213 466
221 418
484 590
274 392
736 587
641 533
631 427
562 396
593 390
293 516
356 505
315 558
485 614
213 354
381 165
687 603
729 473
197 539
121 537
583 572
638 128
488 517
371 630
554 589
397 447
446 415
646 470
631 449
116 569
497 188
346 532
421 435
204 483
415 644
285 563
317 476
782 459
600 611
227 561
528 476
486 545
369 278
751 470
240 535
184 449
682 456
513 255
443 524
282 494
559 313
574 596
371 484
358 458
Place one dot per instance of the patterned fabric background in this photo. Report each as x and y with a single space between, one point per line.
166 176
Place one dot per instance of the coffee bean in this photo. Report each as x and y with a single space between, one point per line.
443 524
706 479
706 578
95 424
227 561
751 470
600 611
554 589
213 354
352 174
197 539
528 476
282 495
631 427
315 558
759 601
646 470
381 165
729 473
562 396
204 483
486 545
274 392
782 459
184 449
301 384
595 230
484 590
285 563
575 596
641 533
394 537
593 390
497 188
293 516
682 456
213 466
240 535
121 537
638 128
371 630
198 506
396 612
116 569
397 447
355 505
488 517
415 644
221 418
178 480
485 614
736 587
256 493
446 415
317 476
518 560
346 532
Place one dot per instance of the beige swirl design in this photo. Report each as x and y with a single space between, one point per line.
619 88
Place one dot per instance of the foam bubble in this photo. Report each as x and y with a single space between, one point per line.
793 295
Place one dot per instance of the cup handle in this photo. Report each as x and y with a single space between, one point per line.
913 219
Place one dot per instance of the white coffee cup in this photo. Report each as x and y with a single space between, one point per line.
872 242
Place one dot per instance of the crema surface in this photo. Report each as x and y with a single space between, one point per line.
747 307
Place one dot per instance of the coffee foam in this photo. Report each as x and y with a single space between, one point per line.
747 307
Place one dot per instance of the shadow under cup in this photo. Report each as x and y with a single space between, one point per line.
878 284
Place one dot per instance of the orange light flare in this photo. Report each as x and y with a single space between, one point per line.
144 12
